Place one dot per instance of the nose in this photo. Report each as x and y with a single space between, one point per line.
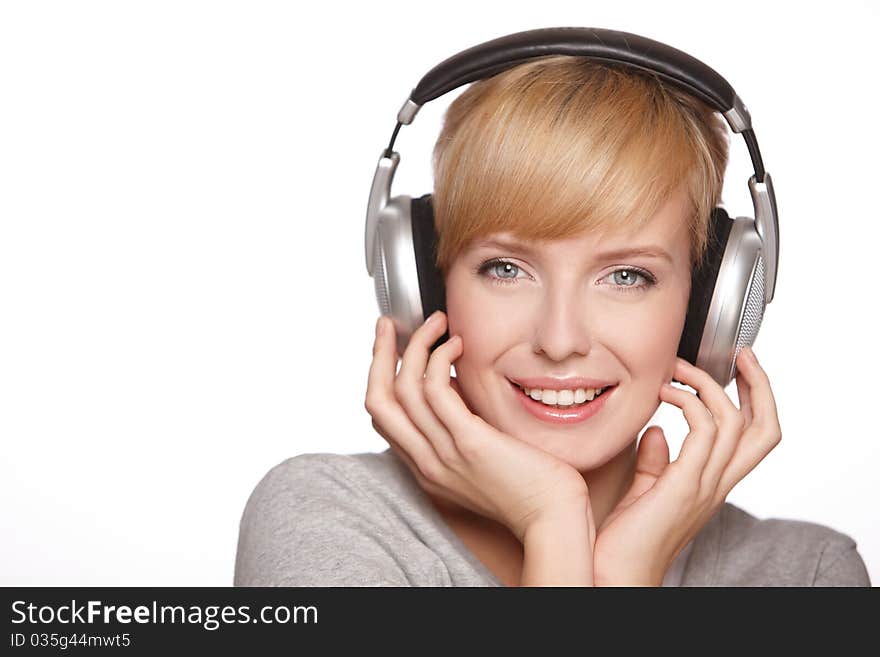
563 325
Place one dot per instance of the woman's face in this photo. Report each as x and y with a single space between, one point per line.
573 308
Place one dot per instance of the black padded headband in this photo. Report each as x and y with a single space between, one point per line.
676 67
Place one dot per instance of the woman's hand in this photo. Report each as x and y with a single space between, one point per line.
453 453
668 503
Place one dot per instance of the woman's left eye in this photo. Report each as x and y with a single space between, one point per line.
626 279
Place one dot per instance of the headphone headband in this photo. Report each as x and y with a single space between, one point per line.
494 56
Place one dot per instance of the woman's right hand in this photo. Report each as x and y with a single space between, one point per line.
455 454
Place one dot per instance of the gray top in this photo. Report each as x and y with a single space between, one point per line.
363 520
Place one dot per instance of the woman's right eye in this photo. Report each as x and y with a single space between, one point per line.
501 271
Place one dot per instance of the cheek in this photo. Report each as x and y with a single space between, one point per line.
482 320
647 335
486 332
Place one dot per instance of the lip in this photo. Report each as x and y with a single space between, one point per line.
573 383
559 415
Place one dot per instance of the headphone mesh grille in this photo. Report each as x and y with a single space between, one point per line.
379 279
754 312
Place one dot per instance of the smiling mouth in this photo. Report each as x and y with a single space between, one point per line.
575 404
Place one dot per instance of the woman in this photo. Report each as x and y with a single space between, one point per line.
571 201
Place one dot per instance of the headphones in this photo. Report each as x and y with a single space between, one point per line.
729 290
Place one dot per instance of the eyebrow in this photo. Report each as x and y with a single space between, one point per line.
649 251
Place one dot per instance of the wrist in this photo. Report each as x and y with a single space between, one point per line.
550 520
557 551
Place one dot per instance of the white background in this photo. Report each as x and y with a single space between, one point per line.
183 296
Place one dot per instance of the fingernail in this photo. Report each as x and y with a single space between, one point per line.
433 316
380 326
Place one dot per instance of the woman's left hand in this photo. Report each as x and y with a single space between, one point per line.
668 503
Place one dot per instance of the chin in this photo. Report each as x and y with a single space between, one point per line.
594 459
583 452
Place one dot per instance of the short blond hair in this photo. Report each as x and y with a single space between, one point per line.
562 144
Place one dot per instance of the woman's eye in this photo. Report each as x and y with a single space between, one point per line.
627 279
499 271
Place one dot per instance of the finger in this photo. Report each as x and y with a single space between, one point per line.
761 399
409 386
711 394
653 454
443 399
382 404
402 454
698 443
762 434
748 455
728 418
396 448
743 390
652 458
442 493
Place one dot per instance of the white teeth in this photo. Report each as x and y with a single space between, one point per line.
562 397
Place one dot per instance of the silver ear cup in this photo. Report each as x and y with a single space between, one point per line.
737 305
752 315
380 281
395 273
